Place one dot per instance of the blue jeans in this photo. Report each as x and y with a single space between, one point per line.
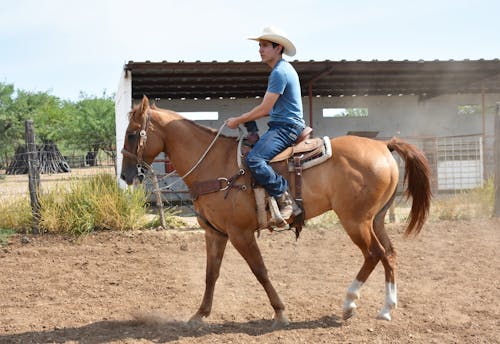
274 141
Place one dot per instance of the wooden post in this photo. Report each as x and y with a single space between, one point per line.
33 173
159 201
497 162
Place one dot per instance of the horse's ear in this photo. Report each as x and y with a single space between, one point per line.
144 104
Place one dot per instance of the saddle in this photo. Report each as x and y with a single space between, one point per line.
305 153
307 149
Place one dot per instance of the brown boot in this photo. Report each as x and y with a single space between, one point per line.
285 203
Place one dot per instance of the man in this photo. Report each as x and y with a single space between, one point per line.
283 103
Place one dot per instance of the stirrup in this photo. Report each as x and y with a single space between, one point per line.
276 218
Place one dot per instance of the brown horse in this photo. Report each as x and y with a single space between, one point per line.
359 183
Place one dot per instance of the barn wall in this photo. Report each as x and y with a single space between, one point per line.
403 116
123 104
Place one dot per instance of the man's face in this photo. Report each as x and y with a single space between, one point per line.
268 53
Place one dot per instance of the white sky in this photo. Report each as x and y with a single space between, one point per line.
66 47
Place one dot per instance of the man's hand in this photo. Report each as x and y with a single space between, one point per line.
233 122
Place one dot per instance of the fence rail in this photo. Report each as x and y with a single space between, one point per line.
457 163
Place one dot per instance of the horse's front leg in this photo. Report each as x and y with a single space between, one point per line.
215 246
247 246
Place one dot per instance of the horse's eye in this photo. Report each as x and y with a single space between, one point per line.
131 136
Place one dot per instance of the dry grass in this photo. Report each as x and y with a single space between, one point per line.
17 185
92 204
466 205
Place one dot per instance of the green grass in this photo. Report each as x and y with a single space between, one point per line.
83 206
5 235
92 204
172 220
323 221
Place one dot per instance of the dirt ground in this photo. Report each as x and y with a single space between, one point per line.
141 287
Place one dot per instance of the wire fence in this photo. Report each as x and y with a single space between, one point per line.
54 167
457 163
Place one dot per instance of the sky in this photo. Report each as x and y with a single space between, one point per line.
70 47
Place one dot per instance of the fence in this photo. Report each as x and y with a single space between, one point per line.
43 167
457 163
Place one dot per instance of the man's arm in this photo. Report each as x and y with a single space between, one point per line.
257 112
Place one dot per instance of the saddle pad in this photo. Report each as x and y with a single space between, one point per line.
307 145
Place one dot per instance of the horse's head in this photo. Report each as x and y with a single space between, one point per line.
141 144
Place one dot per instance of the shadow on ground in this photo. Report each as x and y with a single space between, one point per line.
164 332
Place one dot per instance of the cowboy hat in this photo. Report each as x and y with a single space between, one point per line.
275 35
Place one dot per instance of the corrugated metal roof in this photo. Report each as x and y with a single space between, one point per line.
177 80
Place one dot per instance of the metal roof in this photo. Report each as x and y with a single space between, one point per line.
177 80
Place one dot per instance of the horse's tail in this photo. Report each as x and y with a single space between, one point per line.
417 177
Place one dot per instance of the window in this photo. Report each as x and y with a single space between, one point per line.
345 112
201 115
469 109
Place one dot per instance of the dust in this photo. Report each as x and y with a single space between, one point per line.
158 319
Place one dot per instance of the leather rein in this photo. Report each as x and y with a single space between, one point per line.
222 184
218 184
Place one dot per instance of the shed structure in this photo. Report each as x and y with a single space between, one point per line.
416 100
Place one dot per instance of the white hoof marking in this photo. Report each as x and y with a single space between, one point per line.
391 301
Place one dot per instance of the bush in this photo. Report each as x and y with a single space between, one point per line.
466 205
5 235
16 214
326 220
92 204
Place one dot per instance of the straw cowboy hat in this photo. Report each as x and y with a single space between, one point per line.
275 35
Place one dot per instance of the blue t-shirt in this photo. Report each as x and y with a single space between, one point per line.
284 81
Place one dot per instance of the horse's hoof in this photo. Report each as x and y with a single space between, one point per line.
348 313
384 315
280 322
349 309
196 321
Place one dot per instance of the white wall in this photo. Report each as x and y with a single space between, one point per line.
123 105
403 116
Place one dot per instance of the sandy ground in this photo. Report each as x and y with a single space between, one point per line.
141 287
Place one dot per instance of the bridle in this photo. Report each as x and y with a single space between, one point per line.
142 166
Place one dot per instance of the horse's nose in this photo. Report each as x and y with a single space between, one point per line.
140 176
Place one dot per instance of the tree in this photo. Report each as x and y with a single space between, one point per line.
47 112
92 124
11 124
85 125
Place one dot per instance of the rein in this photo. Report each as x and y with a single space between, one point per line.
142 165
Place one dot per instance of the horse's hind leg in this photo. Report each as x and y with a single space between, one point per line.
215 246
247 246
363 236
389 262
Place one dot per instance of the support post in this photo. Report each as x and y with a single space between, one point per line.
159 201
33 173
497 162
